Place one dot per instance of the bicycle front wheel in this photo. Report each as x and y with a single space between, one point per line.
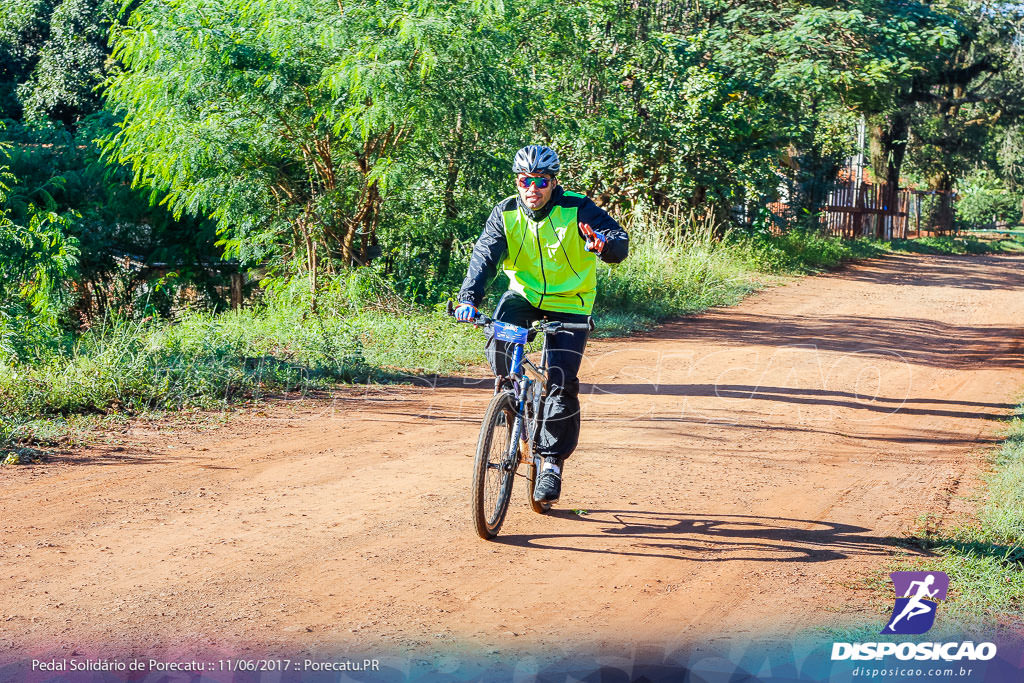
493 469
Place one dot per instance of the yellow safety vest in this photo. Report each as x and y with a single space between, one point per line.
547 261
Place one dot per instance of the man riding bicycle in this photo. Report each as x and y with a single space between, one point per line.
547 241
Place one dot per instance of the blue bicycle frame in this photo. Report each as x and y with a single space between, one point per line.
521 385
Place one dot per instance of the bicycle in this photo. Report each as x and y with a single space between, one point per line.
509 428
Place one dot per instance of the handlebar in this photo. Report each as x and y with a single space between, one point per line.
546 326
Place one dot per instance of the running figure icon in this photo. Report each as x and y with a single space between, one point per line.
920 594
915 606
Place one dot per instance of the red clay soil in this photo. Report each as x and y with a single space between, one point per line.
742 471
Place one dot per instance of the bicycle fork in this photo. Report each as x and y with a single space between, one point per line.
521 441
513 456
511 459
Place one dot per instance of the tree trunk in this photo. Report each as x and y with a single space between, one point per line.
236 291
941 216
302 226
451 209
888 147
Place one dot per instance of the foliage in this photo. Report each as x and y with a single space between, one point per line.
711 104
827 64
642 116
948 117
986 201
133 257
123 239
37 260
318 138
24 27
71 63
53 56
290 123
944 244
1006 155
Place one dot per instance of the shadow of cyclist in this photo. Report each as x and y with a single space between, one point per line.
707 538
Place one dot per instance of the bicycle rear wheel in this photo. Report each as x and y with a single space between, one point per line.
493 470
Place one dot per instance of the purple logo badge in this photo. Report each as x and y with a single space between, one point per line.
918 595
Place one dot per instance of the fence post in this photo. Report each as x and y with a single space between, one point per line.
236 291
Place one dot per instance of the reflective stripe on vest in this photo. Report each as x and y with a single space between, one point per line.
547 261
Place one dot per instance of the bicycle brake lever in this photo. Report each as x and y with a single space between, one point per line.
557 327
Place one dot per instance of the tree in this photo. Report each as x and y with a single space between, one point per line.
24 28
53 56
713 103
288 122
70 64
826 63
36 260
646 117
941 114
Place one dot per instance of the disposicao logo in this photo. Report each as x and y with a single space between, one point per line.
918 595
921 592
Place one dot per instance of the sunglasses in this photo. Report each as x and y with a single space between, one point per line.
540 182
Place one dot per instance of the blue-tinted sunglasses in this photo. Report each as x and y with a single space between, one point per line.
540 182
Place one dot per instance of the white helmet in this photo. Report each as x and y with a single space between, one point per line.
536 159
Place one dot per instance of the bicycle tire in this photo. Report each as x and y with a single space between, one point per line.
492 482
531 478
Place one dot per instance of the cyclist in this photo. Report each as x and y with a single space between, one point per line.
547 241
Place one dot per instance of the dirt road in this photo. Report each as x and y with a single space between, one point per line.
741 471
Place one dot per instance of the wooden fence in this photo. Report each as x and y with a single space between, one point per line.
866 210
871 211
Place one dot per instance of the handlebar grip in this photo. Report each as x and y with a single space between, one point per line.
480 320
574 327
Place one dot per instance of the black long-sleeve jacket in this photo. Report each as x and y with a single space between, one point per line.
492 245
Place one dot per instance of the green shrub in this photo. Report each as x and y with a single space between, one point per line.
802 251
672 269
950 245
986 201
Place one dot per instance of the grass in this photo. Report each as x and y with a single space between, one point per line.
956 245
672 274
364 332
206 360
984 557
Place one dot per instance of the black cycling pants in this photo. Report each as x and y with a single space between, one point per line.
559 428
